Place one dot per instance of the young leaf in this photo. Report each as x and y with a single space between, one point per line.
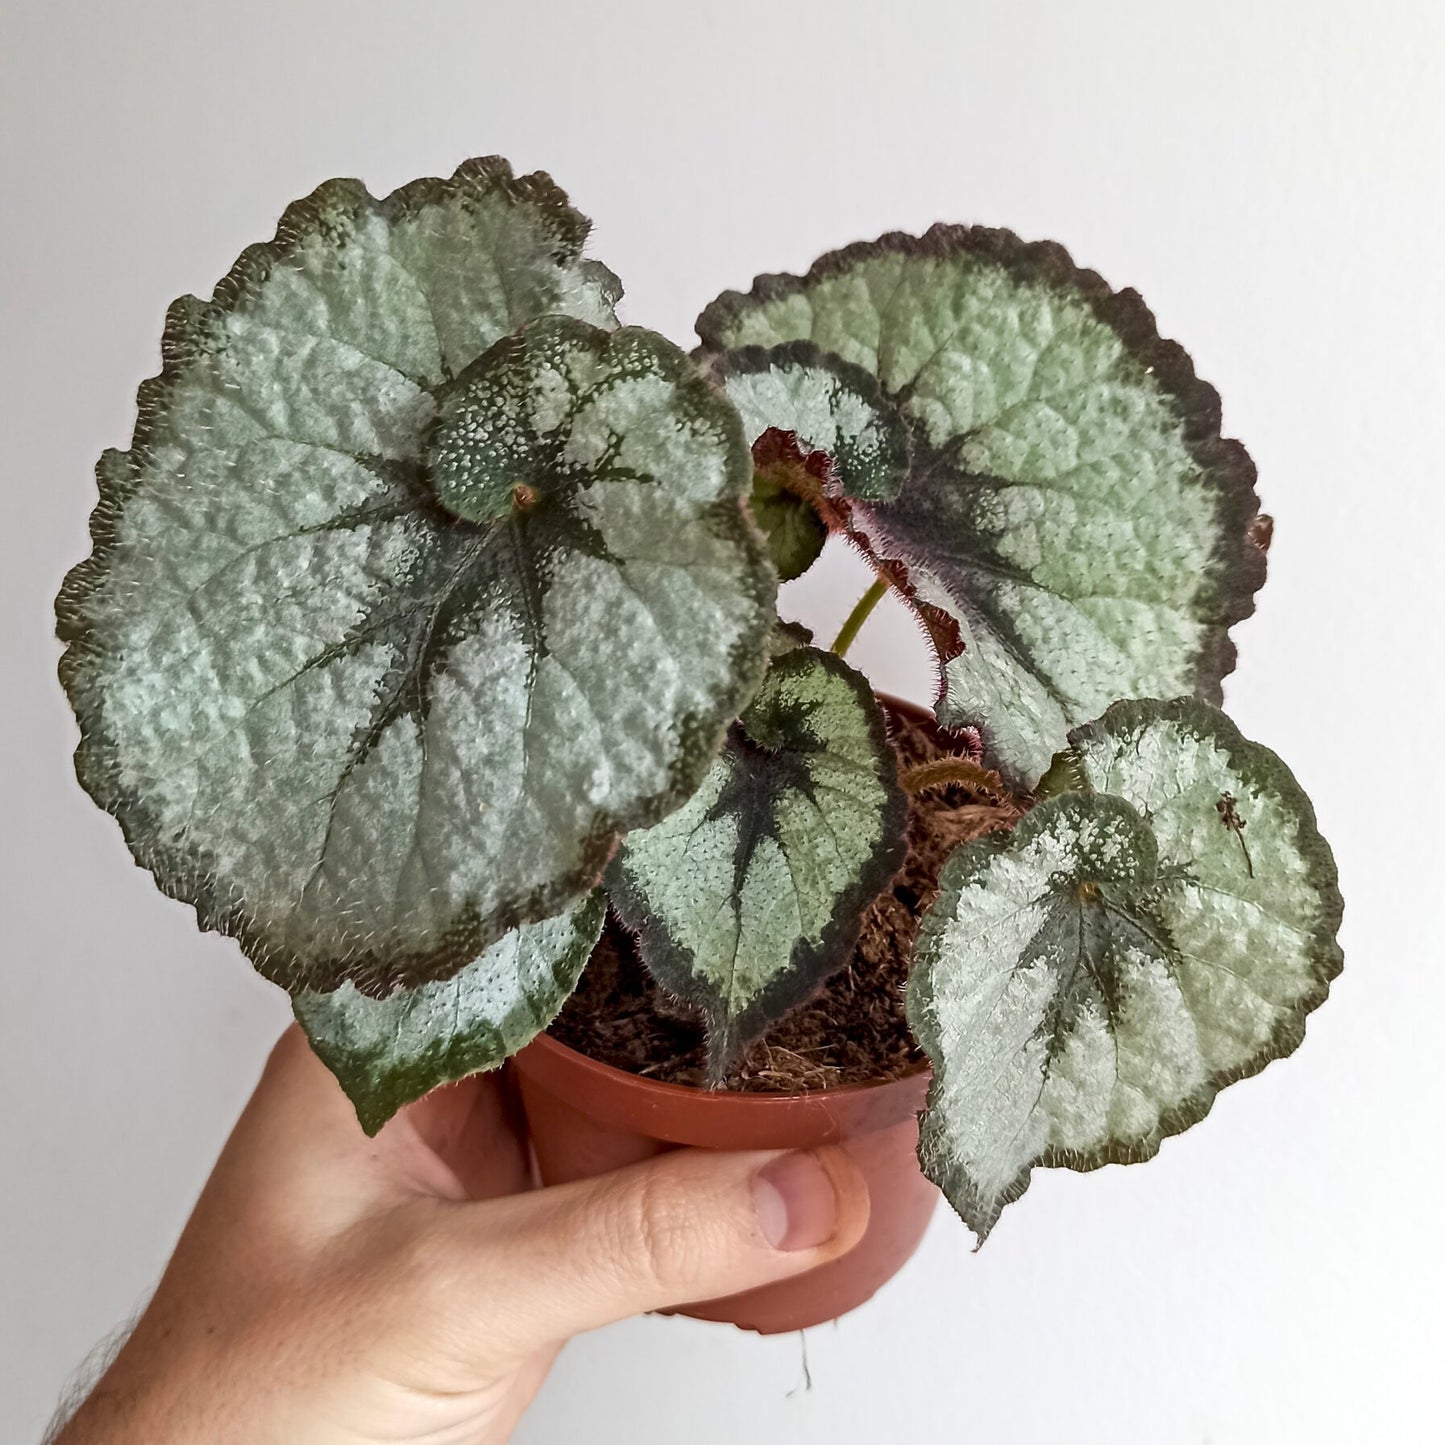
752 893
785 483
788 637
395 621
387 1052
1087 984
1064 492
798 500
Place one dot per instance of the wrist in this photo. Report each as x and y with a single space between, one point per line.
122 1409
105 1419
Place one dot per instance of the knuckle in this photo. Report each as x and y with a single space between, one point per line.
659 1229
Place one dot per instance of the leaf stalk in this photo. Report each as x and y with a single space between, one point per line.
942 772
853 623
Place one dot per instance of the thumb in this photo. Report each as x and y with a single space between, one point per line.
690 1225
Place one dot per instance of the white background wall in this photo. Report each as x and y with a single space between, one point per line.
1268 174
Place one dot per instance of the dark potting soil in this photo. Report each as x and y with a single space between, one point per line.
852 1031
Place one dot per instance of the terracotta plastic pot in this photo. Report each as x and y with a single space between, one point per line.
587 1118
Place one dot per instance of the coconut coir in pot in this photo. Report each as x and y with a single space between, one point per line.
852 1031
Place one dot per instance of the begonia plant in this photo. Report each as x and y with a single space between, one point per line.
431 614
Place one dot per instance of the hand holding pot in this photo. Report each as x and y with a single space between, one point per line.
343 1290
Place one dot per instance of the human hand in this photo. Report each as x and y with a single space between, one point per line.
332 1289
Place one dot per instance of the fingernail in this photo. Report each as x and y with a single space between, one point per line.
796 1203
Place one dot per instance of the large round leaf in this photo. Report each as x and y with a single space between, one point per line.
1066 494
394 621
1086 985
749 895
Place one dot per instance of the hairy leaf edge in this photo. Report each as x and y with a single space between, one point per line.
1253 760
374 1106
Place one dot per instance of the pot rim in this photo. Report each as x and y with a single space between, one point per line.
716 1099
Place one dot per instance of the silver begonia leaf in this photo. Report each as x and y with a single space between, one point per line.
1062 491
749 895
397 617
388 1052
1087 984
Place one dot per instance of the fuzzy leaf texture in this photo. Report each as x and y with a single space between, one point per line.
1087 984
396 618
388 1052
1063 491
749 895
785 482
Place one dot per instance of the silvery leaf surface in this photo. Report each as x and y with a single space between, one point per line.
1064 491
749 895
1085 985
388 1052
828 404
396 618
